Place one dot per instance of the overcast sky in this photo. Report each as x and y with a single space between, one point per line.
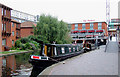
70 11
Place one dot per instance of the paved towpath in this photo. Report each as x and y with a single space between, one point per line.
96 62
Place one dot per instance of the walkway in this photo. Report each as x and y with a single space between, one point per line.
97 62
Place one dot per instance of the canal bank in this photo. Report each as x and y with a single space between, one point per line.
14 53
96 62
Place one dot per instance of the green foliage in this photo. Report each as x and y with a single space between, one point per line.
35 44
13 48
52 30
24 40
22 46
17 43
28 46
32 37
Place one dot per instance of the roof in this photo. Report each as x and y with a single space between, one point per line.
2 5
28 24
15 21
87 22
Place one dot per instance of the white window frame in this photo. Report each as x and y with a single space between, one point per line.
3 41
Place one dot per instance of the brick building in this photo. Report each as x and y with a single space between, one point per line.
5 22
80 31
26 29
113 25
15 31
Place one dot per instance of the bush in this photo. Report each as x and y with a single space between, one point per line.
32 37
36 44
24 40
28 46
22 46
42 38
17 43
13 48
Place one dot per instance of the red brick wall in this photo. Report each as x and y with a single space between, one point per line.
79 26
87 25
95 26
0 30
6 20
13 29
73 26
104 26
25 32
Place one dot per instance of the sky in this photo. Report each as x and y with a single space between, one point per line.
70 11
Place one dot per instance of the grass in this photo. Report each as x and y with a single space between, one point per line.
15 51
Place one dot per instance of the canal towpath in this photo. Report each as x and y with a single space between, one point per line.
96 62
13 53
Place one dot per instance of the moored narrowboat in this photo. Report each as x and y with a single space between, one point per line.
52 53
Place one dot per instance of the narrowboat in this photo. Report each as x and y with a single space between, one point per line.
53 53
89 45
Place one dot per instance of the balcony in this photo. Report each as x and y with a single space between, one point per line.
6 31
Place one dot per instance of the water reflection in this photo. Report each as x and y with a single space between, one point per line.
15 65
0 66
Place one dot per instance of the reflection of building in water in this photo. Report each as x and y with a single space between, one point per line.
8 64
0 66
11 62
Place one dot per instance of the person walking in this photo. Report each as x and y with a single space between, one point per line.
110 37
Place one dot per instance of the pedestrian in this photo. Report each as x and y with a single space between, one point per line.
98 44
110 37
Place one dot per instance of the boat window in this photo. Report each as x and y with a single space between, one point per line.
55 51
48 51
63 50
73 49
59 50
69 49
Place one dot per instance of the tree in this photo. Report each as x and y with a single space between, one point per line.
53 30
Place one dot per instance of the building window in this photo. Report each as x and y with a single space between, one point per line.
76 26
2 11
12 33
16 25
5 12
12 42
12 24
3 41
2 27
91 26
17 33
99 26
83 26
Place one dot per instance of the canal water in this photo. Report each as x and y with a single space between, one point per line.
16 65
